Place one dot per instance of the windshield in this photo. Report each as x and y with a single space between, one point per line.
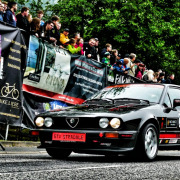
151 93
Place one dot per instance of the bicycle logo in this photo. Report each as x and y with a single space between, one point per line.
6 90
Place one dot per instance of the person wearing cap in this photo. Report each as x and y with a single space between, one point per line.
5 3
118 57
121 66
64 39
106 59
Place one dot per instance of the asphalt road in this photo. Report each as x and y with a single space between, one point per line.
37 164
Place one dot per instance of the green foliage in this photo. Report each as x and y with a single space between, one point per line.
149 28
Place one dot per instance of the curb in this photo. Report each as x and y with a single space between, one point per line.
19 143
20 147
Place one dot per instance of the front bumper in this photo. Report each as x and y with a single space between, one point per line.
96 141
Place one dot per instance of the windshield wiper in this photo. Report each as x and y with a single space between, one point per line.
132 99
100 100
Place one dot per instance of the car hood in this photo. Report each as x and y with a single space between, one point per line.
92 110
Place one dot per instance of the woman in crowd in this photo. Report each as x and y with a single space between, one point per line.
149 76
79 43
29 18
35 27
140 71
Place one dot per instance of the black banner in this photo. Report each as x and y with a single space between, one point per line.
87 77
13 51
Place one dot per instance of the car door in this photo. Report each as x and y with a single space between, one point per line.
172 115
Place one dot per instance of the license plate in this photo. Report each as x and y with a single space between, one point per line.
69 137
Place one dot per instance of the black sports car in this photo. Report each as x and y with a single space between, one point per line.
138 118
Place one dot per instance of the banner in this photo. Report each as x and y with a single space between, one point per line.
12 62
115 78
53 73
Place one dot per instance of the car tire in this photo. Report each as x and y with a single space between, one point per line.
147 145
58 153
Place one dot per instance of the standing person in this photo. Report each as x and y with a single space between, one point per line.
5 3
136 62
22 21
161 78
108 48
40 15
55 30
90 50
114 55
48 35
132 57
170 79
140 71
106 59
79 43
156 76
35 27
64 39
58 27
71 46
148 76
121 66
1 11
97 49
29 18
77 36
9 16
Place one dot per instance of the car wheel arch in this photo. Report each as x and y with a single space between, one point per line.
150 120
143 125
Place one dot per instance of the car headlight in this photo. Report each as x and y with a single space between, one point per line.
48 122
39 121
115 123
103 122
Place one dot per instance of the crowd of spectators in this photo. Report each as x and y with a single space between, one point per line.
50 31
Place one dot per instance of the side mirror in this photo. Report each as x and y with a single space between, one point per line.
176 103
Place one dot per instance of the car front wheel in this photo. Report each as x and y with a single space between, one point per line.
58 153
147 148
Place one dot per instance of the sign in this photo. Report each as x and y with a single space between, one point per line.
12 60
69 137
53 73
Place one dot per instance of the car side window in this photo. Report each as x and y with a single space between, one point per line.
174 93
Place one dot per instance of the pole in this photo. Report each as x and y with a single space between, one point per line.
7 129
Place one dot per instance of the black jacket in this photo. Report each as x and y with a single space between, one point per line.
23 23
90 50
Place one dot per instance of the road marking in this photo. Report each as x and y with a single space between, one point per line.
46 170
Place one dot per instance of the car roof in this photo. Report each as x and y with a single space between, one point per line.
150 84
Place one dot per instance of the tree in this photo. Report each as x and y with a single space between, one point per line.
146 27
